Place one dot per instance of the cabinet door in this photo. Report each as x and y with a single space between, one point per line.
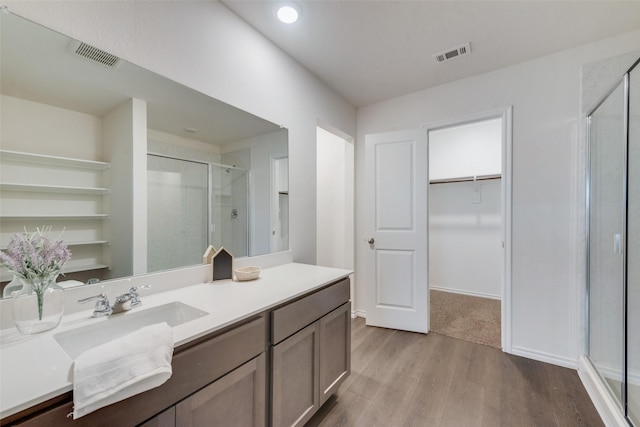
163 419
335 350
295 392
237 399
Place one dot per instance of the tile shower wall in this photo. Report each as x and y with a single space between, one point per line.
177 213
177 189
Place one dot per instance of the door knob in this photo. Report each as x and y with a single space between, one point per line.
371 240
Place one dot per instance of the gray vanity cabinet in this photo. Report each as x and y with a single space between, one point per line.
335 350
295 392
163 419
276 368
310 364
237 399
213 369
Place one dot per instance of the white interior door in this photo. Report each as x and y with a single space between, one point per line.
397 181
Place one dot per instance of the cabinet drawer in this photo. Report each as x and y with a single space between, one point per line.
292 317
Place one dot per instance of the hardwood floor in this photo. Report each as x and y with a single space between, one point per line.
408 379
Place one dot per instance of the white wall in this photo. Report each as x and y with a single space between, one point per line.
465 150
205 46
33 127
125 136
548 183
334 222
465 238
181 148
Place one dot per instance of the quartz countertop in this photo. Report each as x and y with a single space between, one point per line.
34 368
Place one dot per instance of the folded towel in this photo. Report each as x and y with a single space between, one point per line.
69 284
122 368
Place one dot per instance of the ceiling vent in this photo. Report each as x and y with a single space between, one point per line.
453 53
94 54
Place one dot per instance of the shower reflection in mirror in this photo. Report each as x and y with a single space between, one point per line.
193 204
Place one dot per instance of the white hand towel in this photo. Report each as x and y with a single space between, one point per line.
69 284
122 368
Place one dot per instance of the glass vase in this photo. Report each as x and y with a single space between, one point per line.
39 306
14 286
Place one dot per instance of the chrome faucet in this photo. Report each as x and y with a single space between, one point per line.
123 302
102 308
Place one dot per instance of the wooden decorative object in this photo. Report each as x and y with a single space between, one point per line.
207 257
222 264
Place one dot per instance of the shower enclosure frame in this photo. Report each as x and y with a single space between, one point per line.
622 405
210 192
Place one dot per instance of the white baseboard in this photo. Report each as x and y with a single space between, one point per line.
464 292
605 403
358 313
541 356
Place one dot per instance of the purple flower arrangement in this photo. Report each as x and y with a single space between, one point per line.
36 261
32 256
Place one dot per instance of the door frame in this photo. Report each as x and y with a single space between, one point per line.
505 114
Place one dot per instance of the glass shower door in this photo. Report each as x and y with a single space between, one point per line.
177 212
633 251
607 146
230 209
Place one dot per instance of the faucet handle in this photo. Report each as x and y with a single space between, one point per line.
135 296
102 307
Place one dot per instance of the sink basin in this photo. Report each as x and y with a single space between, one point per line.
77 341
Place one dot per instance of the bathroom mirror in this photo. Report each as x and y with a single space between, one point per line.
141 172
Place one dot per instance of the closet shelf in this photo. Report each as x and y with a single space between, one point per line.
466 179
53 160
54 217
7 186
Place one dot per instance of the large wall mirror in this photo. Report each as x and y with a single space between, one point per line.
140 172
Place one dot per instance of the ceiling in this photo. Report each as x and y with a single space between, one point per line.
36 65
369 51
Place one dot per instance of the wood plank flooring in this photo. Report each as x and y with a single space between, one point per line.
408 379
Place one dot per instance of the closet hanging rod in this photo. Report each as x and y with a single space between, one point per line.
465 179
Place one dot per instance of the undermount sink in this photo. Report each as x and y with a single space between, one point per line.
77 341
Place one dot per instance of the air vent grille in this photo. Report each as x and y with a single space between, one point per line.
453 53
94 54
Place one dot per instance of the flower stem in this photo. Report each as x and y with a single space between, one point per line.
40 296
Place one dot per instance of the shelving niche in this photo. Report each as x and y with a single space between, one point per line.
39 190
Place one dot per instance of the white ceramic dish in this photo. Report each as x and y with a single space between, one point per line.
247 273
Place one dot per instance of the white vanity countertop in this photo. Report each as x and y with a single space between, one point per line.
34 368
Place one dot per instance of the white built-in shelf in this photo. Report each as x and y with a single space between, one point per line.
88 242
8 186
85 267
28 189
85 243
23 218
6 276
52 160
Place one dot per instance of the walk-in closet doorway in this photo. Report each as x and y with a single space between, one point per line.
468 238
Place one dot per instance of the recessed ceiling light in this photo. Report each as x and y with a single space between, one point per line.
288 14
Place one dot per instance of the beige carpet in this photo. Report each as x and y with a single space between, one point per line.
468 318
